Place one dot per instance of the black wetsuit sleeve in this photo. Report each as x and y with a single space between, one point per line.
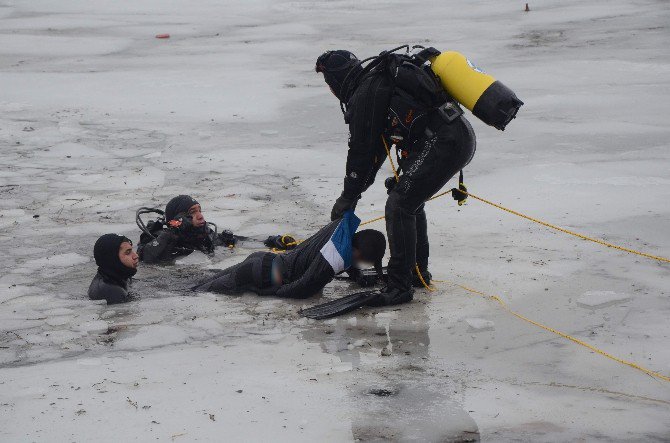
225 238
366 126
159 249
318 275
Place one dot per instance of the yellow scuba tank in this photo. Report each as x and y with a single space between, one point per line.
488 99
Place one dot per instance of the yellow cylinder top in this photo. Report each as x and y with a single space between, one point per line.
460 78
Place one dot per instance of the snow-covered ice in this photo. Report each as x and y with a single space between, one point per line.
479 324
601 299
98 118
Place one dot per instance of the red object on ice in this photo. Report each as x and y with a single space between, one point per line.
163 36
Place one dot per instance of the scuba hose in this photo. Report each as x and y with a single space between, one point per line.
349 83
140 223
146 210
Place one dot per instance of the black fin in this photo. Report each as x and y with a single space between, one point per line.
340 306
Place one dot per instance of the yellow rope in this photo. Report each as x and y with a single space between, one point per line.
543 223
527 217
562 334
576 234
423 282
504 305
372 221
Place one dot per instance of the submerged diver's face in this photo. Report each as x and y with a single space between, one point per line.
358 260
195 212
128 257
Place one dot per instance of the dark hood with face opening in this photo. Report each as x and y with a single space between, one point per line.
337 66
179 205
106 254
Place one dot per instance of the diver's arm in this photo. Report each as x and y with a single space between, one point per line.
318 275
159 249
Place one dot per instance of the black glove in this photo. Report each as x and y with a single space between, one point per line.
390 183
181 223
282 242
227 238
342 205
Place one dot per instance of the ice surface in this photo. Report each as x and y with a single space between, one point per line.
601 299
57 261
151 337
480 324
99 118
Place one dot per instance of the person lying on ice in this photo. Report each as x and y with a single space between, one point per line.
429 157
117 263
183 229
309 267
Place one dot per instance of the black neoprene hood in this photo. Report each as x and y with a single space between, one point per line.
106 254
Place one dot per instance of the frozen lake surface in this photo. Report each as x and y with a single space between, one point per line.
98 118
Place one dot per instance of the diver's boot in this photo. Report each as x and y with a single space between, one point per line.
389 296
427 277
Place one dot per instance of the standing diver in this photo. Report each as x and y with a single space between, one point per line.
398 100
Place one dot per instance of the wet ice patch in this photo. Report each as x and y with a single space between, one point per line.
609 181
58 311
56 261
89 361
601 299
123 179
479 324
10 216
8 293
58 320
68 150
61 336
52 265
152 337
195 258
54 46
92 327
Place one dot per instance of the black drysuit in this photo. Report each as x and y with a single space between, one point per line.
113 278
112 289
427 164
305 270
170 244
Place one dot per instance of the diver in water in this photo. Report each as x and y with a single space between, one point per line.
309 267
183 229
117 263
433 146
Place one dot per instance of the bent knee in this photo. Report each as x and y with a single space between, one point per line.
397 202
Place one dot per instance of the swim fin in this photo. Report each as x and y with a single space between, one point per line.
340 306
